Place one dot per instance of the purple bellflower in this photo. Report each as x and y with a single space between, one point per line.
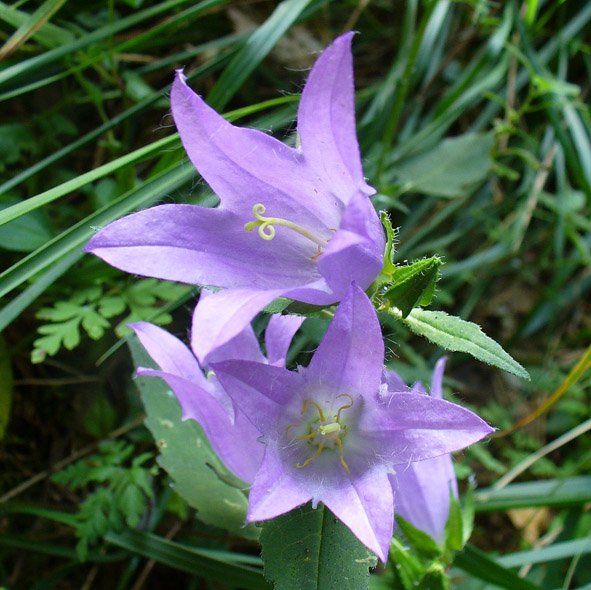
422 489
202 398
293 222
334 433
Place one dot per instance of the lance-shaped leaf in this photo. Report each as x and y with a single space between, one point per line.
453 333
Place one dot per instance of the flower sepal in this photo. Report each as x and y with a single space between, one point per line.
411 286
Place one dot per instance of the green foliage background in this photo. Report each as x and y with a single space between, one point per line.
475 129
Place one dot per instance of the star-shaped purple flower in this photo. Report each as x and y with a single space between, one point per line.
422 489
231 435
333 433
295 222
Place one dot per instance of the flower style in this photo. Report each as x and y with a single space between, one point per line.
333 433
231 435
422 489
292 222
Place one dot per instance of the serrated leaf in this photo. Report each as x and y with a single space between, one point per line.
62 311
413 285
453 333
420 540
94 324
66 333
111 305
132 504
311 549
187 456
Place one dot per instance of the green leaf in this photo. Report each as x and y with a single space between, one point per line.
413 285
435 578
26 233
213 565
478 564
468 512
454 527
408 569
453 333
572 491
451 169
187 456
56 335
255 49
309 549
420 540
389 266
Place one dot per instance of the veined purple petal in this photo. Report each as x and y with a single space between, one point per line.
437 379
421 494
273 492
326 121
366 506
395 384
244 346
223 315
235 443
350 357
245 166
278 336
417 427
204 246
355 253
260 391
169 353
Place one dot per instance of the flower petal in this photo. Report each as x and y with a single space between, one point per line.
365 505
326 120
394 384
274 491
421 494
235 444
223 315
204 246
437 379
356 251
278 336
169 353
413 427
260 391
349 358
245 166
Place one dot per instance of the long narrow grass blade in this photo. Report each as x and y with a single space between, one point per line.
31 26
255 49
189 559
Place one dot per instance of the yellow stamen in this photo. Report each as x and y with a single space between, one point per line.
341 459
311 435
309 401
349 405
320 447
267 231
